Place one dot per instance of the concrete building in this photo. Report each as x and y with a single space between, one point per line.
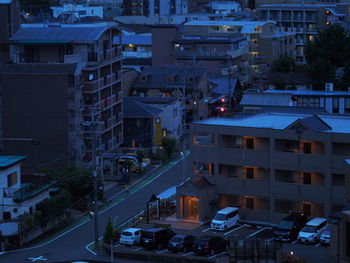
267 165
79 11
10 23
154 7
330 102
184 83
64 78
264 42
304 20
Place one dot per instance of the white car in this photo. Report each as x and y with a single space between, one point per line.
326 238
131 236
313 230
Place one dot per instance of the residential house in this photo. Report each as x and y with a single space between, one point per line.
185 83
266 164
17 197
67 79
154 7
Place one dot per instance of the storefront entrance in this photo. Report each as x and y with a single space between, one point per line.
190 205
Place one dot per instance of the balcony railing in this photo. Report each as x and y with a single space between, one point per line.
212 53
29 190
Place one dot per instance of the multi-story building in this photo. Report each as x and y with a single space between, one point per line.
305 20
154 7
64 90
187 84
10 23
264 43
268 165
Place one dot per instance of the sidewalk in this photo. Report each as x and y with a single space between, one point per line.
176 223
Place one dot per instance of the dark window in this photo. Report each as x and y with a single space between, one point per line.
249 143
307 209
250 173
249 203
307 147
12 179
306 178
6 215
335 105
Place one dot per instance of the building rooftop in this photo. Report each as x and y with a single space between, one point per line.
266 99
227 23
140 39
281 121
156 100
59 34
222 85
136 109
7 161
309 92
299 6
5 1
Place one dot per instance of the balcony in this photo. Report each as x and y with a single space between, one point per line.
28 191
91 86
137 54
203 54
307 162
74 58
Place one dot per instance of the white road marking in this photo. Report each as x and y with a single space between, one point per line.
136 249
319 244
162 251
189 253
217 255
253 234
205 230
229 232
294 242
38 258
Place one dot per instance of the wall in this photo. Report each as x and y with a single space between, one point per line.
162 48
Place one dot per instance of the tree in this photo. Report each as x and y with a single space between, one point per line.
345 79
284 63
168 144
109 235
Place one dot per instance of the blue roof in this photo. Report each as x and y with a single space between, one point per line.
222 85
308 92
280 121
59 34
6 161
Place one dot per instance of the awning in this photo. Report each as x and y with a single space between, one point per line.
167 193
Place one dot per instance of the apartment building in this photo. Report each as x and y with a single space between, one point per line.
10 23
154 7
266 164
263 43
305 20
64 91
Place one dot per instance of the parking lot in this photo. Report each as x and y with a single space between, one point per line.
244 232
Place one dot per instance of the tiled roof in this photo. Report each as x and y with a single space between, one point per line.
135 109
6 161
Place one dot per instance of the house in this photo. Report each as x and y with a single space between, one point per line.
187 84
266 164
142 125
17 197
65 77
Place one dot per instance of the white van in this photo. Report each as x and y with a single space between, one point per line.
131 236
225 218
312 231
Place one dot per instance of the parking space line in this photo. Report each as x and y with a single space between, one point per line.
118 245
136 249
217 255
294 242
229 232
162 251
319 244
269 240
256 232
205 230
188 253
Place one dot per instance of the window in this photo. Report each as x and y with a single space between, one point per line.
347 241
307 147
249 202
347 105
12 179
249 172
249 142
6 215
190 79
306 178
335 105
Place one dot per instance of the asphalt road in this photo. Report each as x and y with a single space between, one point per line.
71 245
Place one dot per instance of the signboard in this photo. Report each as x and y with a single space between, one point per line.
158 131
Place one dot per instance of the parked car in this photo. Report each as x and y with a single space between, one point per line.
131 236
313 230
209 245
289 227
156 238
181 243
325 238
225 218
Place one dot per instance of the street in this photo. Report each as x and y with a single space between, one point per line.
71 244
